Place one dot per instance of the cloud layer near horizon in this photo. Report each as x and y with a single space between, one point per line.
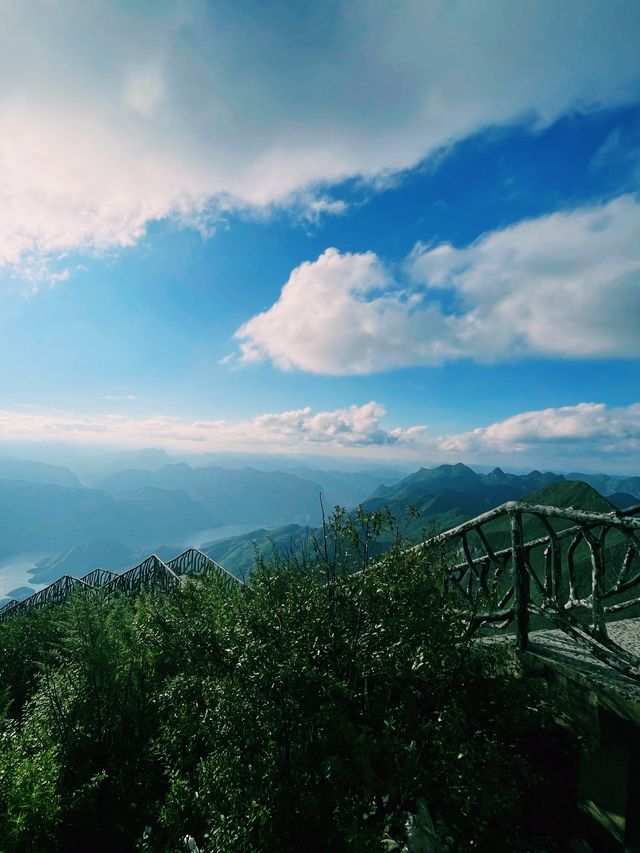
115 114
566 284
554 436
563 431
351 427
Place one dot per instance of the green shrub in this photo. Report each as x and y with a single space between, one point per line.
316 710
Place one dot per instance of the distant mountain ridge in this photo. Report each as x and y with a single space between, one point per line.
44 508
28 471
101 553
37 516
609 485
445 496
450 494
248 495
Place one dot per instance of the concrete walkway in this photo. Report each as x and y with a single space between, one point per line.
568 657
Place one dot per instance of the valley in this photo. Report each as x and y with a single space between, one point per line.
52 522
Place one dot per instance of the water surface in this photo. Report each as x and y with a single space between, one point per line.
14 572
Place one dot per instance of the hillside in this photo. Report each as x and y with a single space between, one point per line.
238 553
623 500
103 553
28 471
566 494
577 494
36 516
450 494
236 496
444 497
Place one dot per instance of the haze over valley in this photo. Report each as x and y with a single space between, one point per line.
53 523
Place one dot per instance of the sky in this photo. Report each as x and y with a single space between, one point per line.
378 230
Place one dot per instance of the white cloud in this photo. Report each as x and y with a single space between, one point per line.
587 429
353 427
566 284
144 90
327 320
590 435
113 114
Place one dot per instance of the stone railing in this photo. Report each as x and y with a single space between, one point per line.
579 574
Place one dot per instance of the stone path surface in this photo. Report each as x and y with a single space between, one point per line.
575 657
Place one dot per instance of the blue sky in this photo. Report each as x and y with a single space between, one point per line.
394 231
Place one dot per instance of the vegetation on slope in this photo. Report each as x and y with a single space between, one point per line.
429 501
314 711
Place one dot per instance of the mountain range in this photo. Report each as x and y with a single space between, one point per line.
443 496
28 471
231 496
128 512
39 516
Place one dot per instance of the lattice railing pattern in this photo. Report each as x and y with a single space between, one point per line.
546 577
195 562
98 577
55 593
150 573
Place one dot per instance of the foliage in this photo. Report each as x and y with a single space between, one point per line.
320 709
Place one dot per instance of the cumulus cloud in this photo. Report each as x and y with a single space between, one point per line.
353 427
340 314
590 434
587 428
565 284
114 114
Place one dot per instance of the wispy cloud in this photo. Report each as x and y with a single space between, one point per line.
590 434
563 285
120 397
586 428
113 115
352 427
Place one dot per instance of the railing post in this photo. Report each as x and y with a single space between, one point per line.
597 584
520 581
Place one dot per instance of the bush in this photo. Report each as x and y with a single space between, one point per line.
316 710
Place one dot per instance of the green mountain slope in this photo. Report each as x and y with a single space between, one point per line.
444 497
607 484
567 494
237 553
623 500
570 494
450 494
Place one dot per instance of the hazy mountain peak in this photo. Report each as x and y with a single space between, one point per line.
30 471
458 472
